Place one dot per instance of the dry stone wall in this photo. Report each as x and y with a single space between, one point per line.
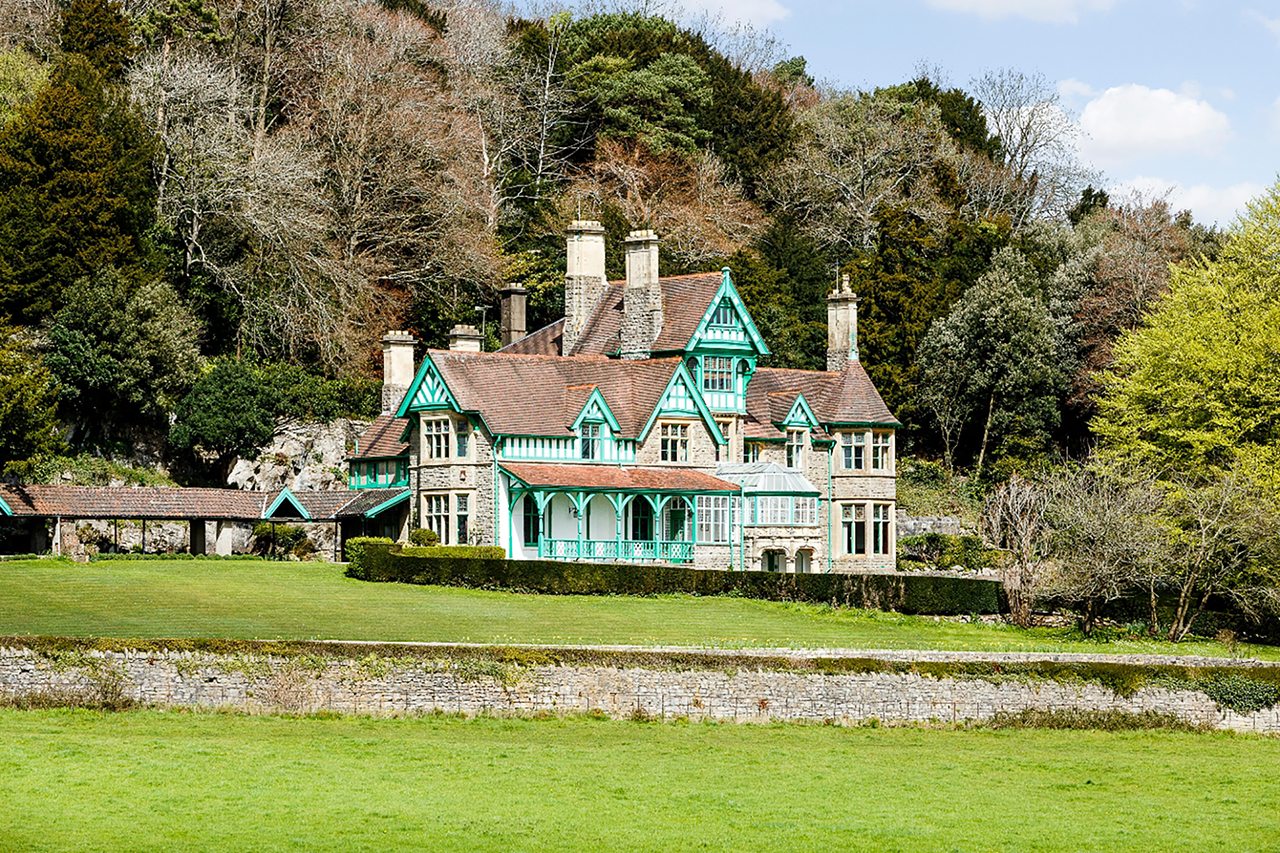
421 684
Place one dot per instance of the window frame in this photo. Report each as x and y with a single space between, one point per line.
437 438
796 442
882 451
673 442
713 526
590 441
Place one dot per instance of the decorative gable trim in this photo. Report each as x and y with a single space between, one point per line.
427 392
5 509
801 415
287 495
681 398
596 409
394 500
702 335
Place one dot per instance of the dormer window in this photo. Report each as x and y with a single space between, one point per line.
717 373
795 448
590 441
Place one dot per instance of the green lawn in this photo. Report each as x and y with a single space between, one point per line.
152 780
266 600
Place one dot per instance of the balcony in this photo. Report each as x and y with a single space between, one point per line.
610 550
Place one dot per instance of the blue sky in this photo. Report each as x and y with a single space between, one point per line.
1182 96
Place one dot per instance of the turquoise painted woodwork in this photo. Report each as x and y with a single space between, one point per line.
379 473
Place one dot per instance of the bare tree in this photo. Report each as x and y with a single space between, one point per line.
1107 538
859 156
33 25
1013 522
1037 136
1226 544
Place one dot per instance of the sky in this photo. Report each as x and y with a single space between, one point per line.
1180 97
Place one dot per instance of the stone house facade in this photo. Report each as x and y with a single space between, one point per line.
641 427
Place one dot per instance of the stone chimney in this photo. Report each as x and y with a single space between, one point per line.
842 326
584 278
512 312
463 338
642 300
397 368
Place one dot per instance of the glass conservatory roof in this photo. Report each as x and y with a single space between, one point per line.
766 478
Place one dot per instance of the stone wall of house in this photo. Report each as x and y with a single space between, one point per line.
369 685
301 456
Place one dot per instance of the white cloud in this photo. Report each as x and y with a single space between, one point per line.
1072 89
755 12
1132 121
1044 11
1272 25
1207 203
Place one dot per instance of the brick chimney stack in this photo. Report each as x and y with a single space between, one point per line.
397 368
642 300
842 326
584 278
513 301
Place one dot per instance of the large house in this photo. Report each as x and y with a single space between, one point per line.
640 428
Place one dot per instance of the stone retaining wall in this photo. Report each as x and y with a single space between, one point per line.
383 686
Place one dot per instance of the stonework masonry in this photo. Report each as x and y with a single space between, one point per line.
387 686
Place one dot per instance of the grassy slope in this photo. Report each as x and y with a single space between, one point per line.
253 599
155 780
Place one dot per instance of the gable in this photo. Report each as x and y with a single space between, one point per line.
800 415
286 500
726 324
596 410
681 399
427 392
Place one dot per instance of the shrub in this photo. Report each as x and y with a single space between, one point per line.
945 551
278 540
354 550
476 569
462 552
423 536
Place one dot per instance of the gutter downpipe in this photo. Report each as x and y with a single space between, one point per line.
830 507
497 445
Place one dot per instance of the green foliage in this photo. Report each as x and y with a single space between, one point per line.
233 407
21 76
76 189
87 470
945 551
354 551
180 21
423 536
903 593
123 350
1194 388
1240 693
274 539
28 396
654 105
99 31
462 552
960 112
1107 721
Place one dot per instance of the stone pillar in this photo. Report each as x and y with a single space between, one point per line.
463 338
642 300
584 278
842 326
512 303
196 541
224 538
397 368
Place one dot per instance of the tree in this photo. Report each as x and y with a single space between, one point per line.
1194 387
21 77
76 191
996 357
124 352
1107 538
1226 545
227 412
99 31
1013 522
857 156
28 398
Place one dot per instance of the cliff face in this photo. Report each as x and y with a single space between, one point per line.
301 456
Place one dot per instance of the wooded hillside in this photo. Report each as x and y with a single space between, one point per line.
211 210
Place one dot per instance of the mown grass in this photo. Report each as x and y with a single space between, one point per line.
268 600
151 780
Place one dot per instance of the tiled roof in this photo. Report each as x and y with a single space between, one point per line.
847 396
382 438
134 502
535 395
685 300
545 341
614 478
98 502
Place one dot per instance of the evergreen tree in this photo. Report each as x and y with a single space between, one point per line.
28 397
99 31
76 189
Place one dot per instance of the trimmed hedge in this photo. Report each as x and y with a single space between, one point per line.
179 556
463 552
919 594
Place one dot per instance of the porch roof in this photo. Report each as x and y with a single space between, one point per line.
612 478
767 478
